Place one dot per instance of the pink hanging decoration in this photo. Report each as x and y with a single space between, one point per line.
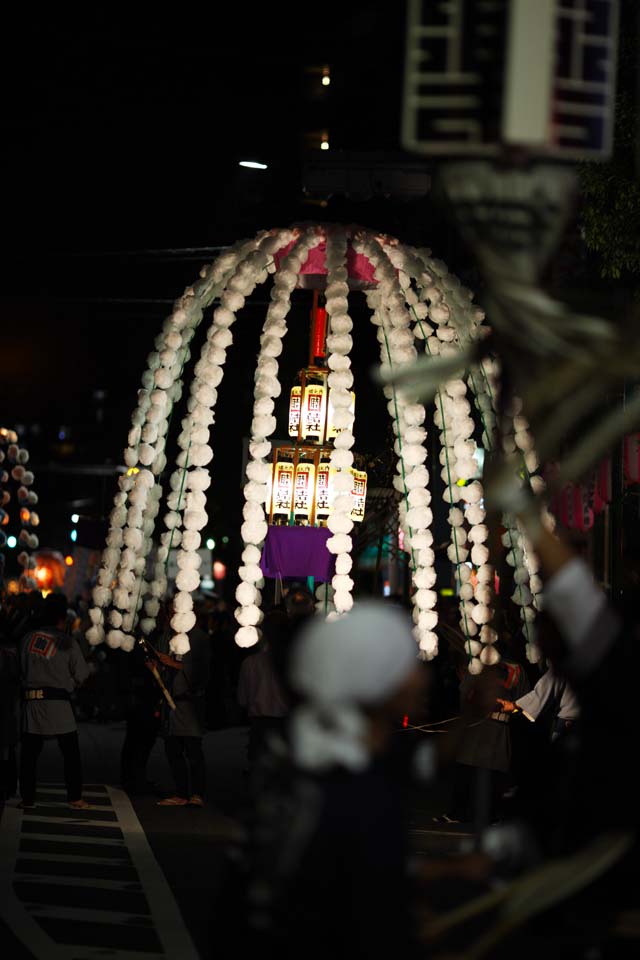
582 512
359 267
632 458
602 493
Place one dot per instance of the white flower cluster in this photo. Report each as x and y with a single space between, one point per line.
447 305
121 580
519 554
187 502
266 389
16 458
390 314
340 381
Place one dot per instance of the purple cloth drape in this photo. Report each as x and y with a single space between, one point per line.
297 552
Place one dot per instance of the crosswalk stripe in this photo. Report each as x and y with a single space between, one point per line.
125 859
49 897
65 838
62 805
86 915
125 886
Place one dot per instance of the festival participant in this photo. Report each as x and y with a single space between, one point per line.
52 667
328 851
261 692
184 727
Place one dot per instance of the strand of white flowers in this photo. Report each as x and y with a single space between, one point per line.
208 375
150 439
19 456
409 267
148 426
487 386
524 442
456 456
484 590
187 500
465 320
267 388
390 314
187 515
189 311
340 380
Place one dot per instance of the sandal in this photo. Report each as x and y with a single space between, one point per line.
196 800
172 802
79 805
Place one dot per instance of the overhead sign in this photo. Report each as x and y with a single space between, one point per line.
482 74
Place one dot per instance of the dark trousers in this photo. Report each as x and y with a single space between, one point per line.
29 753
186 760
468 793
143 725
8 772
259 730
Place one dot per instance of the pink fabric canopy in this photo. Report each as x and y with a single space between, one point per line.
358 266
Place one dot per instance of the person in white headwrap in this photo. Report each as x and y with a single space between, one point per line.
329 846
353 675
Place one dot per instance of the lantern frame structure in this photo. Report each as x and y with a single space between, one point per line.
414 303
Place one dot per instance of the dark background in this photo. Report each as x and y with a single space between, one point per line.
122 132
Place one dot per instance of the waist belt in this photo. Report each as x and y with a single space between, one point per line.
503 717
46 693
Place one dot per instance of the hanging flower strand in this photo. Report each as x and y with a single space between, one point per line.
458 461
396 349
149 426
267 388
14 460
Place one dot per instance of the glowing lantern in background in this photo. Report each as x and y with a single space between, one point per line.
50 570
300 491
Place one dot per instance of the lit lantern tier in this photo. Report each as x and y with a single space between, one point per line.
301 488
311 412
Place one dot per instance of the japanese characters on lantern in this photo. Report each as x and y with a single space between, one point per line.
358 494
282 490
303 491
314 411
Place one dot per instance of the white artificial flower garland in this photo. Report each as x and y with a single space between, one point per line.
13 467
121 578
445 318
393 320
445 304
486 385
339 343
266 389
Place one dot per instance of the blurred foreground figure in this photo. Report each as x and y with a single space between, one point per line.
328 870
570 851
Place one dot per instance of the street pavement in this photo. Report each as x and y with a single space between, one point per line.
127 879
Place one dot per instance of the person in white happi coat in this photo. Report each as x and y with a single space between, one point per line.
52 667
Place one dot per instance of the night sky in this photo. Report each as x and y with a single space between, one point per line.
123 134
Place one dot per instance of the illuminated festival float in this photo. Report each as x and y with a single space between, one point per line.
305 495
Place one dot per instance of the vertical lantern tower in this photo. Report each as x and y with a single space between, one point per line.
301 490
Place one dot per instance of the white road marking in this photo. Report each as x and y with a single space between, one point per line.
22 914
73 858
74 838
87 915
